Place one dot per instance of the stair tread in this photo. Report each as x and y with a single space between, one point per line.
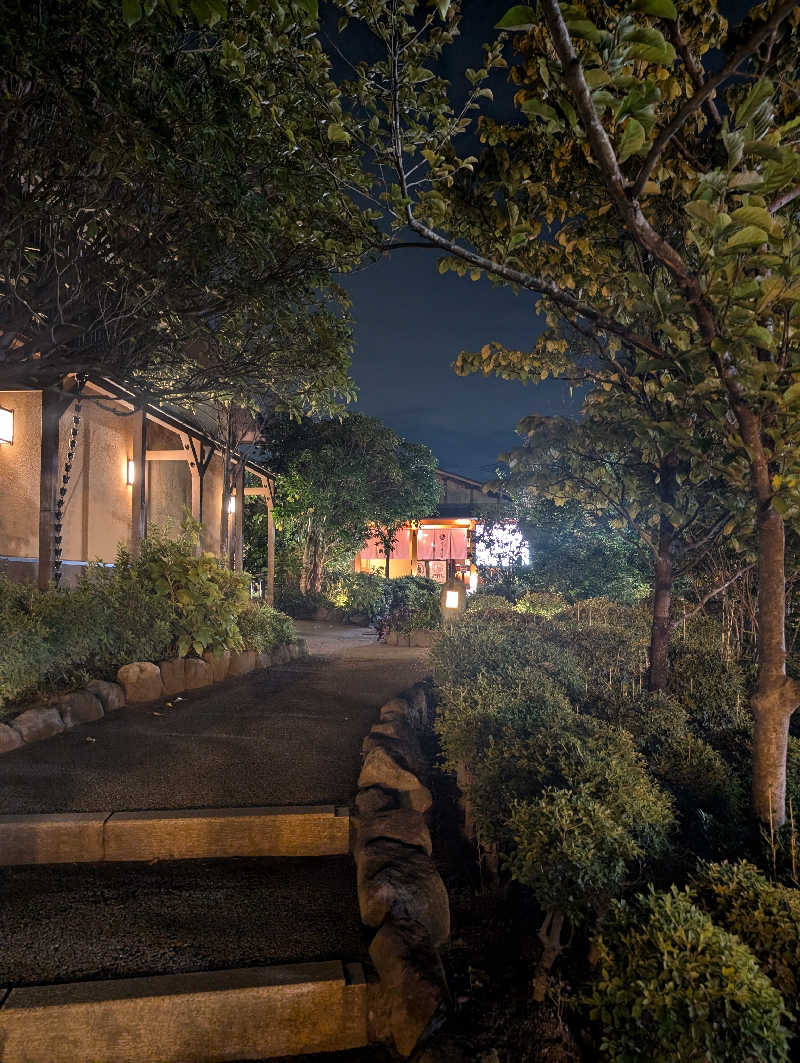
83 922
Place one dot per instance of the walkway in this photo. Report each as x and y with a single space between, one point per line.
290 736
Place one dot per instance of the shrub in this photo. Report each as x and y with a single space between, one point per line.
200 597
707 680
672 987
263 628
358 592
765 916
541 603
302 605
412 604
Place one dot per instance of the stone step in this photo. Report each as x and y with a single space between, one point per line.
201 1017
182 834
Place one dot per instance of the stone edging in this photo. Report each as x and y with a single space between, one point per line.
139 682
400 892
422 637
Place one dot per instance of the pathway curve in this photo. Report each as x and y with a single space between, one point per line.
289 736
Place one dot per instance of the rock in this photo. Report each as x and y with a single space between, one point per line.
424 637
358 619
302 647
219 664
173 676
280 655
263 661
396 709
141 681
37 723
421 707
402 731
379 769
406 755
375 799
241 663
9 738
291 649
396 881
112 696
412 982
399 825
198 673
80 707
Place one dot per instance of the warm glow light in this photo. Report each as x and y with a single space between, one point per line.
473 581
6 425
232 504
131 471
451 600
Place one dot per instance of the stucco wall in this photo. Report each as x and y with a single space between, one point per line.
169 483
19 476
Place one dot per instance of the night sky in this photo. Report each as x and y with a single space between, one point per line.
411 322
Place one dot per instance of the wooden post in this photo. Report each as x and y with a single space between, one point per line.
270 549
52 408
139 489
237 543
414 534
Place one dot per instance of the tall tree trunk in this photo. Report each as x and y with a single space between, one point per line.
388 556
661 625
776 695
313 561
662 606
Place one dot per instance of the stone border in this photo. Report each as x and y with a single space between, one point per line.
249 1013
139 683
400 892
422 637
174 834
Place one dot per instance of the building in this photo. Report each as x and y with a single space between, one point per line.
80 474
441 546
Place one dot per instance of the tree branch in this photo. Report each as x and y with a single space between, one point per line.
713 593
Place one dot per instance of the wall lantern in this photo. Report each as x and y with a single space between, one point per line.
6 425
131 472
232 504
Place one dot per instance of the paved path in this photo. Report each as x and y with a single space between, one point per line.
290 736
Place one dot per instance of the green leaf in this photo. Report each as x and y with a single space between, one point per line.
338 134
518 17
792 394
633 138
750 236
657 8
311 7
761 91
443 6
698 208
758 216
131 11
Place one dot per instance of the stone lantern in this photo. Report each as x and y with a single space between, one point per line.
453 600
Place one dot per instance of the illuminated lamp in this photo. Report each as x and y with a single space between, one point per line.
6 425
473 581
232 504
131 473
451 600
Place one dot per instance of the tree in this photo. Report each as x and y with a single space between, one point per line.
159 178
341 480
674 193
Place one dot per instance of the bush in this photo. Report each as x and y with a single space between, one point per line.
412 604
301 605
541 603
672 987
765 916
489 603
356 593
263 628
707 680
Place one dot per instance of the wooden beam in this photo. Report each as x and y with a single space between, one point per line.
139 488
261 492
170 455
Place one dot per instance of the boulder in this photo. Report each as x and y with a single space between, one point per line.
396 881
9 738
421 706
219 664
291 649
173 676
42 721
80 707
424 637
280 654
141 681
112 696
302 647
241 663
412 982
403 732
398 824
263 661
407 755
375 799
198 674
380 769
395 709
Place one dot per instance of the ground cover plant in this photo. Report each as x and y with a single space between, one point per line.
620 817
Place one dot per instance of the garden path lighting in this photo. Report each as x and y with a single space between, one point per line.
6 425
131 472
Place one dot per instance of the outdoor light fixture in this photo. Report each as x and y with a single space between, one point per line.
473 581
232 504
6 425
131 475
451 600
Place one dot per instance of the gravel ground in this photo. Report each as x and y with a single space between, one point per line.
77 922
288 736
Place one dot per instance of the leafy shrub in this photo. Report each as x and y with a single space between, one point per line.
489 603
765 916
301 605
707 680
672 987
541 603
358 592
412 604
263 628
200 597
